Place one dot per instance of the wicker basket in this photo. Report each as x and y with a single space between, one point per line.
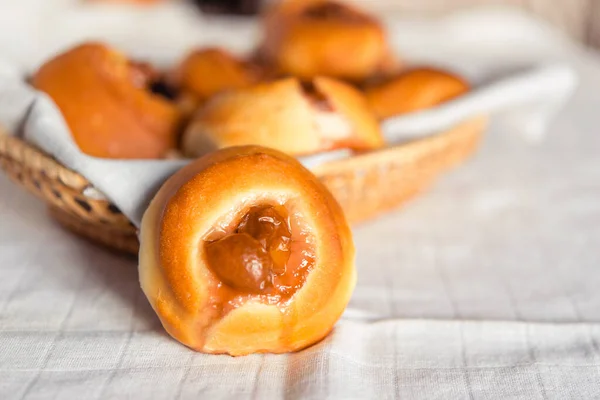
365 185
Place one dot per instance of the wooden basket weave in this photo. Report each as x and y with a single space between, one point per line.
364 185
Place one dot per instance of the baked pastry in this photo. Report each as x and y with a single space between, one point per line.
206 72
245 251
108 103
414 90
312 38
286 115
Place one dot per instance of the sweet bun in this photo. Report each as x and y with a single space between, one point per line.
245 251
108 103
286 115
313 38
206 72
414 90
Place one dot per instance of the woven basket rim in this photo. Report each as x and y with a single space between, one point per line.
22 151
365 185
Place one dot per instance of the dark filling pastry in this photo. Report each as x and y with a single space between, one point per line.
241 7
161 88
316 98
144 76
249 258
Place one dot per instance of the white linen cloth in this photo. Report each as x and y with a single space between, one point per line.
485 287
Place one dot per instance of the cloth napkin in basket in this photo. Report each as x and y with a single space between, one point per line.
130 185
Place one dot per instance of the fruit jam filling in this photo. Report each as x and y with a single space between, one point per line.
261 255
332 125
144 76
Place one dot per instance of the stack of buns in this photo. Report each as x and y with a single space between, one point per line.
322 78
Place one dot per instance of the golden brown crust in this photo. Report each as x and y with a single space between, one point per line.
351 103
414 90
282 115
102 97
311 38
181 288
209 71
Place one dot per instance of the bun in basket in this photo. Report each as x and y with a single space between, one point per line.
286 115
313 38
108 103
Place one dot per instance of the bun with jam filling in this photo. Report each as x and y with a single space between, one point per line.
108 103
245 251
295 118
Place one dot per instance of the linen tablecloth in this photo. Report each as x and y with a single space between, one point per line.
485 287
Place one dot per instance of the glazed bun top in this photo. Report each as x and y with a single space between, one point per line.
312 38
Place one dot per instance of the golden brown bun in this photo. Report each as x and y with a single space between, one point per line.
106 103
211 195
313 38
285 116
206 72
414 90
